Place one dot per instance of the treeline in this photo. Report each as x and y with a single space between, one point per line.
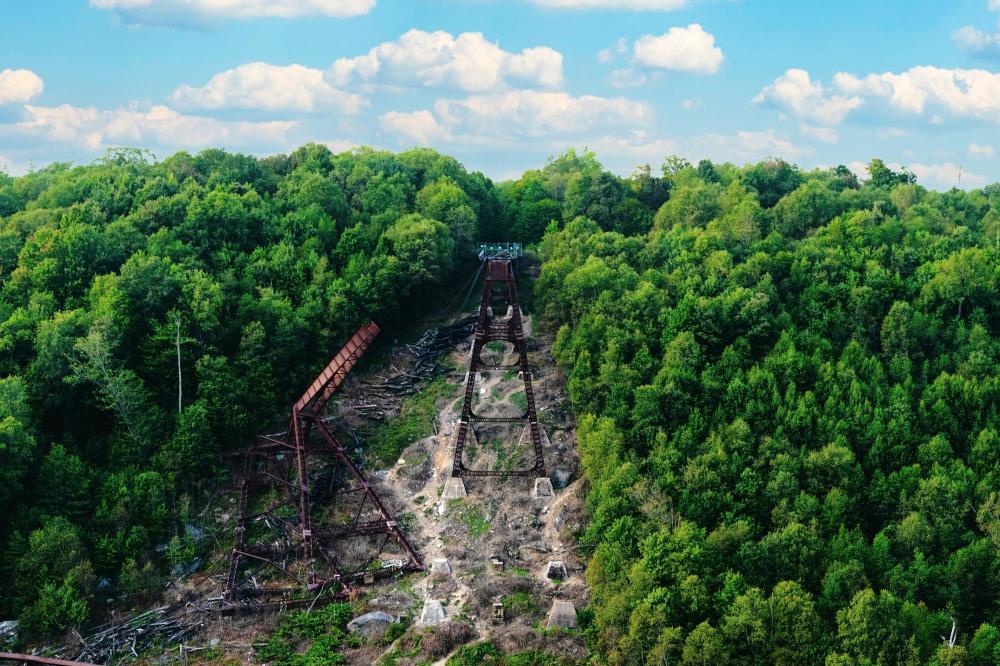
786 381
155 315
788 392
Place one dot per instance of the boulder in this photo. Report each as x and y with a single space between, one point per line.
370 622
561 478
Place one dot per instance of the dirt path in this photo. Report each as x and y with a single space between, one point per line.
498 520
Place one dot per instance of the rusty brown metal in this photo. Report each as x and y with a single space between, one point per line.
276 473
490 328
33 659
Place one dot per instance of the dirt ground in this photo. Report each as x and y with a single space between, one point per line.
498 520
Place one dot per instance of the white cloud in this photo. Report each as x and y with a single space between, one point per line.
690 104
977 41
934 176
92 129
12 167
19 85
418 126
636 146
604 56
979 150
947 176
339 145
198 12
689 49
259 85
626 78
744 146
647 5
824 134
891 133
514 115
795 92
969 93
467 62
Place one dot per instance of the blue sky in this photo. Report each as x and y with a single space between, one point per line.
503 84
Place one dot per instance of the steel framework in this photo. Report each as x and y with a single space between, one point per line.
275 525
490 328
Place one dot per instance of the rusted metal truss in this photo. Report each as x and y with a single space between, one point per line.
504 328
276 528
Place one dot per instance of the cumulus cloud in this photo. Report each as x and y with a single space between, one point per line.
980 150
947 176
967 93
689 49
744 146
189 13
19 85
467 62
418 126
259 85
92 129
824 134
795 92
636 146
638 5
513 115
979 42
934 176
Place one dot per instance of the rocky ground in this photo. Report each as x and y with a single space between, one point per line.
498 544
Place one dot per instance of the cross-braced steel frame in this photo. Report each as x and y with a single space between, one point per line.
276 492
490 328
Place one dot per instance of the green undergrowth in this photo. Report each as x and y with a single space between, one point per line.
388 440
471 516
480 654
310 638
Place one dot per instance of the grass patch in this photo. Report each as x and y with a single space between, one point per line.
520 603
520 571
520 400
496 346
509 374
310 639
471 516
388 440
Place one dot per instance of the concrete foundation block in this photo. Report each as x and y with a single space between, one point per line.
556 570
454 488
543 487
562 615
440 565
433 613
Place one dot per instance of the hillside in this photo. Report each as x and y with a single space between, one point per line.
784 384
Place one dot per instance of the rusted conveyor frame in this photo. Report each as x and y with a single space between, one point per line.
265 466
498 272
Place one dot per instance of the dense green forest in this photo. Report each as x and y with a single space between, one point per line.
251 271
788 391
785 381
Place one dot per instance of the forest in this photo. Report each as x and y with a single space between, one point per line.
785 381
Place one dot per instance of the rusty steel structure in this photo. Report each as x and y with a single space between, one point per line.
276 528
491 328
